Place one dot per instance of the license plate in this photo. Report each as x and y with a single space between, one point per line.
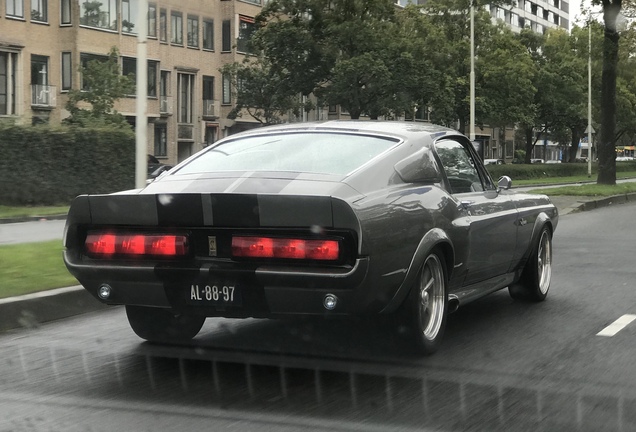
214 294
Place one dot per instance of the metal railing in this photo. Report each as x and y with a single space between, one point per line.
165 104
43 95
211 108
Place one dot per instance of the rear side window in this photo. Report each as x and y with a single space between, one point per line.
317 152
459 166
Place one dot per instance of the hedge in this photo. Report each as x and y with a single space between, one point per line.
42 165
537 171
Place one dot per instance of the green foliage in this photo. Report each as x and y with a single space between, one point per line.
261 90
103 85
539 171
48 166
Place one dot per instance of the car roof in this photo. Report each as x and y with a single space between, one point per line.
402 129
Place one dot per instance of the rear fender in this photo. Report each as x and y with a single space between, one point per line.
432 239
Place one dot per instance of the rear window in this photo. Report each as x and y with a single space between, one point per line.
324 153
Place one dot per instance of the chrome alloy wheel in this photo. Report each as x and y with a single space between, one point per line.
432 301
544 263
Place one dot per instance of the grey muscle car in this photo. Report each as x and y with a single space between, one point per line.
350 219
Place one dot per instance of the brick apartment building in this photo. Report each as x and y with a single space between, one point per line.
44 42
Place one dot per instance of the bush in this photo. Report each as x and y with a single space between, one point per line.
538 171
44 165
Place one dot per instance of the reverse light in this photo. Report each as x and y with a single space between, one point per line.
285 248
106 244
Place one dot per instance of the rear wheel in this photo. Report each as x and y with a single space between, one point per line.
537 274
427 304
162 325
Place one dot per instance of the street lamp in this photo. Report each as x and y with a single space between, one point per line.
590 129
472 71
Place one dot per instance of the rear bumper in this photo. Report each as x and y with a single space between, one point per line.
264 292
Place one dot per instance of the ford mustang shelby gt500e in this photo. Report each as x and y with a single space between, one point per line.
324 219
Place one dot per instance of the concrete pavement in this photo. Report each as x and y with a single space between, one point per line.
33 309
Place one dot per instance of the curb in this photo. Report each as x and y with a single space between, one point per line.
30 310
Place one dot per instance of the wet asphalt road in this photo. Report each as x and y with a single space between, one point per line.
504 365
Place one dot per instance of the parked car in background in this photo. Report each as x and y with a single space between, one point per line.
493 161
336 219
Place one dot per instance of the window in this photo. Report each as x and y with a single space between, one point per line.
226 43
185 87
208 34
556 3
40 91
246 30
165 103
99 14
163 25
8 75
227 90
527 6
193 31
459 166
65 12
176 28
67 71
152 20
85 59
533 9
129 16
501 14
129 68
161 139
39 11
305 152
555 19
208 88
15 8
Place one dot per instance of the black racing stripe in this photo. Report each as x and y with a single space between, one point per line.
180 209
235 210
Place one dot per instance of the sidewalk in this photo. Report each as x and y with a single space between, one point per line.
31 310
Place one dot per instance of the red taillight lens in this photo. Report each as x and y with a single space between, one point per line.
287 248
136 244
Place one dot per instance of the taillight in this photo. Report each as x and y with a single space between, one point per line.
105 244
286 248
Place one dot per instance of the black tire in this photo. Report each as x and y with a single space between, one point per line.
537 274
162 325
426 307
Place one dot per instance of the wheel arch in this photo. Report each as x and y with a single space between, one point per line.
435 238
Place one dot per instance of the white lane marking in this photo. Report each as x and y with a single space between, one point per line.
617 325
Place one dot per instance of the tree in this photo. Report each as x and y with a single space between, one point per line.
608 136
507 85
103 85
261 90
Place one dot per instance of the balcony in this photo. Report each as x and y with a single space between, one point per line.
211 108
43 96
165 105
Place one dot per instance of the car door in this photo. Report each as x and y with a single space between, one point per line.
492 233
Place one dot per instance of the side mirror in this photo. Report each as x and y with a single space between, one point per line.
420 167
504 182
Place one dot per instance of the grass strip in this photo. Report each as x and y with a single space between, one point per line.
31 267
591 190
564 180
16 212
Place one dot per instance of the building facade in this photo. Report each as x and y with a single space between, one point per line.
43 43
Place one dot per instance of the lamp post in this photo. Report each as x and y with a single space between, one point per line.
589 129
472 71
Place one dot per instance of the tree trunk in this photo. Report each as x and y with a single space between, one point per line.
529 144
606 151
574 144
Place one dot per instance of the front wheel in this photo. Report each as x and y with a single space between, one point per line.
537 274
427 304
162 325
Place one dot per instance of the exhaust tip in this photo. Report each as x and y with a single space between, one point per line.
453 303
